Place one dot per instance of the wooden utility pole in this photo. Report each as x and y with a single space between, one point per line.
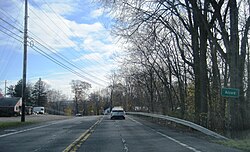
24 61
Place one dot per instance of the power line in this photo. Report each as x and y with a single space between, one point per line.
3 12
65 60
49 48
40 51
8 55
52 30
11 25
17 37
10 17
12 35
74 34
58 55
53 49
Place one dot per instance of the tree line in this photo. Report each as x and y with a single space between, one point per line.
55 102
36 95
40 94
181 53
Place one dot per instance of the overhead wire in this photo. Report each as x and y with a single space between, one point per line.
37 49
8 57
11 59
62 57
40 51
12 35
74 34
52 29
60 30
11 25
55 52
10 17
65 42
17 39
8 50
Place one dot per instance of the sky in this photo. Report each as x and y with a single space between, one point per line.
75 34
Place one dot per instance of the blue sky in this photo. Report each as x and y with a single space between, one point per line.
74 32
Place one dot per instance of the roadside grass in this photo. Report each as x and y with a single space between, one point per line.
242 144
5 125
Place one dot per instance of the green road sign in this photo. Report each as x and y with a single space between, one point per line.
230 92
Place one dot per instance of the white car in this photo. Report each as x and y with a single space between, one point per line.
117 113
38 110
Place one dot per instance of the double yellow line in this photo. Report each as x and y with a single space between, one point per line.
80 140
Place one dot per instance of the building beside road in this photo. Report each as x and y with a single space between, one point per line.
10 106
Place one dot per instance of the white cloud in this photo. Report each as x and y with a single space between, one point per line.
62 81
90 39
97 13
62 84
60 8
60 33
83 30
92 56
52 31
99 46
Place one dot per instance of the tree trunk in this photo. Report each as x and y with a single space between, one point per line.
199 46
151 91
195 47
234 69
203 73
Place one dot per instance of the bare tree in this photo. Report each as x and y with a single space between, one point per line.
80 88
194 43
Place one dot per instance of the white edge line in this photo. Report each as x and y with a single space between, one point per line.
178 142
135 121
174 140
25 130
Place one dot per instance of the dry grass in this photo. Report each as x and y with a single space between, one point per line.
243 144
4 125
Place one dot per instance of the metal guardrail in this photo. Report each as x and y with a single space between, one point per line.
182 122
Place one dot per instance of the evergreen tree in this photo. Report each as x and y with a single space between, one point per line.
39 93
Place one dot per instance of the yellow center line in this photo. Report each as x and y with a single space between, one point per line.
78 142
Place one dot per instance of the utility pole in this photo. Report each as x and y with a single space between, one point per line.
24 61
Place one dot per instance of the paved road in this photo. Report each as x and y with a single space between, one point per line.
104 135
47 137
136 135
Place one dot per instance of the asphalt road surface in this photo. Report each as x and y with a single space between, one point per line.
46 137
100 134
